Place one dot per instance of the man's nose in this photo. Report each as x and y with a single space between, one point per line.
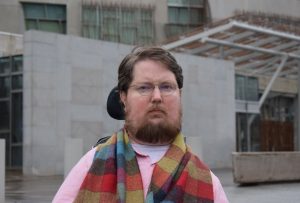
156 95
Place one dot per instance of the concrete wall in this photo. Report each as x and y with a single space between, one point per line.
10 44
209 108
11 10
223 9
66 83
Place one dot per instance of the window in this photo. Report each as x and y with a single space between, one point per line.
4 65
129 25
184 15
4 86
46 17
246 88
4 115
4 77
11 108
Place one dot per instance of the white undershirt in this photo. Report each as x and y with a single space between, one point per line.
155 153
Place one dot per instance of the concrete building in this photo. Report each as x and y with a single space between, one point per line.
133 21
221 9
54 87
168 17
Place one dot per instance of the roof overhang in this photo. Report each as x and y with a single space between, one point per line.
255 50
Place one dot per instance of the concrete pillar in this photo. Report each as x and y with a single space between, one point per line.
2 170
297 140
73 152
296 123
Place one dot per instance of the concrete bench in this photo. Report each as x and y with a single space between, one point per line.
257 167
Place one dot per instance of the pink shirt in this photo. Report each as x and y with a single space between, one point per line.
71 185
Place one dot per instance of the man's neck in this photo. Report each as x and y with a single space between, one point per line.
137 141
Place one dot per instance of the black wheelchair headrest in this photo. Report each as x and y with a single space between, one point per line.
114 106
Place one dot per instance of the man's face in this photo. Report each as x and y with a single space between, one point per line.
157 113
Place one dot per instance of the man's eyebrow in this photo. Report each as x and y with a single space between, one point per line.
142 83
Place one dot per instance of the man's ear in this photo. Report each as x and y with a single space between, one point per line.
123 97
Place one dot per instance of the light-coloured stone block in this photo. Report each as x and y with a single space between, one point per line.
73 152
87 95
195 144
2 170
44 136
87 113
44 49
63 119
47 38
10 43
43 80
43 98
44 116
83 60
42 64
83 77
92 131
63 82
255 167
42 162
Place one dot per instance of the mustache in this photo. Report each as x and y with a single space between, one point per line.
157 108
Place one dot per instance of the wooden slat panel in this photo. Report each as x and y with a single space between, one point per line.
277 136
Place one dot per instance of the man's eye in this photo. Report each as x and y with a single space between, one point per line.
144 87
166 87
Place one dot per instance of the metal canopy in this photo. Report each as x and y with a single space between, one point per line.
255 50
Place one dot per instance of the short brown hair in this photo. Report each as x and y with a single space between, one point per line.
125 73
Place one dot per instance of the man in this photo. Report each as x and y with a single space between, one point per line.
146 161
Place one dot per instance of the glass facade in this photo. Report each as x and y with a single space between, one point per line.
129 25
46 17
11 110
248 132
247 124
184 15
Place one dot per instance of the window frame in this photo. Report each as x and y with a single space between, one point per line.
97 26
176 25
37 23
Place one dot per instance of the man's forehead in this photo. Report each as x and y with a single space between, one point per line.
149 65
145 78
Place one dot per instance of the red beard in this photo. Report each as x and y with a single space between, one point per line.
160 133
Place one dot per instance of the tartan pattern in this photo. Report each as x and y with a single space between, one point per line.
115 177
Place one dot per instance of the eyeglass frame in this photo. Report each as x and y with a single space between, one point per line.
151 87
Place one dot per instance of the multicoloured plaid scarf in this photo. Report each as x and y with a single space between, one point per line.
115 177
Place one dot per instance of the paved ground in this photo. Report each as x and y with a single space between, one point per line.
20 189
288 192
